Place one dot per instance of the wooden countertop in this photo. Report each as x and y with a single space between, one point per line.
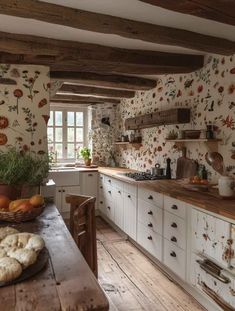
67 283
173 188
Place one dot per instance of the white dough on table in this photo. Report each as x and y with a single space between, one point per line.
10 269
5 231
25 257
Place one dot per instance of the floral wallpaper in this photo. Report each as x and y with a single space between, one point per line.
209 92
24 106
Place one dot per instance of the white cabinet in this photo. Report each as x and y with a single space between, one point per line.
175 229
130 213
89 184
119 207
61 193
212 237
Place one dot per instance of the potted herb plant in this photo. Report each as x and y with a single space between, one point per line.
86 155
20 170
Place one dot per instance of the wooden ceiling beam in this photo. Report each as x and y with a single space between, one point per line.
111 81
96 22
88 99
77 56
217 10
73 102
95 91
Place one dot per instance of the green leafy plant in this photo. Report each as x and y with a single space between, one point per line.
18 168
85 153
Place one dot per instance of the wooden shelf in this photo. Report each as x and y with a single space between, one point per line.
125 144
212 144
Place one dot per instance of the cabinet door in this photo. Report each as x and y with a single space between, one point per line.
130 215
119 198
89 183
58 198
65 208
212 236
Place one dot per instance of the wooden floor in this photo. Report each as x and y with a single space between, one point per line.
131 281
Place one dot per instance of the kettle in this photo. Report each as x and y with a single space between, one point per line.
226 186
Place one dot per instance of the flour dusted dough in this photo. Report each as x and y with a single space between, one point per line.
23 240
3 252
10 269
5 231
25 257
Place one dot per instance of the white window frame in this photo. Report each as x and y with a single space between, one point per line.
67 108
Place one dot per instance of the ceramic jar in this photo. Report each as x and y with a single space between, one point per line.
226 186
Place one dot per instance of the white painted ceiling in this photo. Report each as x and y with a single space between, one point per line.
131 9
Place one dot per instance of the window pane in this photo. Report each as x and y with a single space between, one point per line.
51 121
58 149
58 118
58 134
70 151
79 134
50 134
71 134
70 118
79 118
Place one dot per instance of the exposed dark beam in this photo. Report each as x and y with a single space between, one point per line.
77 56
88 99
89 90
222 11
74 102
107 24
112 81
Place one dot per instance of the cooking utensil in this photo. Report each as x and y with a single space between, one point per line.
216 161
185 167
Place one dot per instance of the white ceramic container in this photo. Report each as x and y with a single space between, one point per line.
226 186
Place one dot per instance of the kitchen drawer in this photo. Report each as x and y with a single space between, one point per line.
108 180
175 229
101 189
175 259
175 206
109 209
117 183
109 193
150 216
101 178
150 196
129 188
150 241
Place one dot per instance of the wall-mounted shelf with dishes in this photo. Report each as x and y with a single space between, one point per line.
212 144
126 144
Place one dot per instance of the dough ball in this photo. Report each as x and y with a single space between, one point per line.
10 269
5 231
25 257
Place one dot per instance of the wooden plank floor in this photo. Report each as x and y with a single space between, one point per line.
131 281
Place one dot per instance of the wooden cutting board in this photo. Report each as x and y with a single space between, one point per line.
185 167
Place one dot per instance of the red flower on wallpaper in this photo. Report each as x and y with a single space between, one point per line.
232 71
221 89
3 139
42 103
200 88
231 88
18 94
3 122
228 122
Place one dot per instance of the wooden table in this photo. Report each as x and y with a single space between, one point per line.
67 283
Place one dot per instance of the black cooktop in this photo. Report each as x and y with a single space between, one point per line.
138 176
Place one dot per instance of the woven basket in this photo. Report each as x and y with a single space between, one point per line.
20 216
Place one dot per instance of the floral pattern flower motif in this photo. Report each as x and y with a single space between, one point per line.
42 103
3 139
3 122
18 94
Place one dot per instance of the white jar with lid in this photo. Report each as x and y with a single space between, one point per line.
226 186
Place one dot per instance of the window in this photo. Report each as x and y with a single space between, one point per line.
66 132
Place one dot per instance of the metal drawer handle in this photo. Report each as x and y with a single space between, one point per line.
129 196
174 207
149 237
174 225
119 191
63 190
109 191
150 213
150 225
101 202
59 190
109 180
173 254
150 197
217 275
173 239
101 187
108 207
90 174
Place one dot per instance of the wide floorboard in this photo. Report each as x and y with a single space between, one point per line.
131 281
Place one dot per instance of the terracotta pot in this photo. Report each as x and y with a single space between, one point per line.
87 162
13 192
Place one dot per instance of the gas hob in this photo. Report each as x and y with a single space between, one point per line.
140 176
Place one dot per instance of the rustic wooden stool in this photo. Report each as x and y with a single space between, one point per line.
83 227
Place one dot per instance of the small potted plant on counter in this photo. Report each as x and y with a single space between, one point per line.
21 172
86 155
